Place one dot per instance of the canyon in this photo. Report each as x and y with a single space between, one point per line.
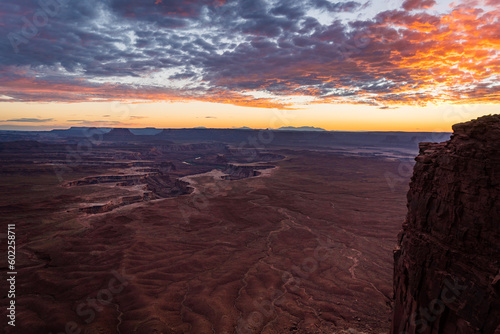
205 236
210 231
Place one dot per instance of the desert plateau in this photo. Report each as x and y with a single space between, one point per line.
206 237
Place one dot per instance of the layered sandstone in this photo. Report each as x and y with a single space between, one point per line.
446 275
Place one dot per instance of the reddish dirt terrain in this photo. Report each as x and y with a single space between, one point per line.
306 247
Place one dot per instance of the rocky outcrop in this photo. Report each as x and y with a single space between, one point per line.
162 186
221 159
121 179
121 201
166 166
447 262
237 172
156 186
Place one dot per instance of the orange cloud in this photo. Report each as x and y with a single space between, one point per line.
32 89
399 58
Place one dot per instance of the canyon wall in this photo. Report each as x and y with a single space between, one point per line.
446 273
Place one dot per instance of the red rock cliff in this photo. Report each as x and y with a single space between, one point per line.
446 273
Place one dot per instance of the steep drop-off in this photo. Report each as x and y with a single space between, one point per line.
446 275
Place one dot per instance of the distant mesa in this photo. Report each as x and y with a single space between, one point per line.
164 132
149 131
95 131
300 128
79 131
119 134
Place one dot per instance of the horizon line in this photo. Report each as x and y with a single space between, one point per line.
289 128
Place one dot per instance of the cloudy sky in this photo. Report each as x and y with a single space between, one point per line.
345 65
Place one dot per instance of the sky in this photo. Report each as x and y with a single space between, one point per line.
394 65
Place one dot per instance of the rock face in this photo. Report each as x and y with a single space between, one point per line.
446 274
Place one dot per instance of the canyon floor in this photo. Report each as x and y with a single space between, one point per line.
305 246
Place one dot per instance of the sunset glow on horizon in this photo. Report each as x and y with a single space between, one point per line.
413 65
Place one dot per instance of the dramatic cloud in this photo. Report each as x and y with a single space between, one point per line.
29 120
100 123
260 53
418 4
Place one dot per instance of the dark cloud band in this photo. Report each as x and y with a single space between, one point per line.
225 51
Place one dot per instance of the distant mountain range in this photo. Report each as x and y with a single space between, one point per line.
305 136
154 131
287 128
300 128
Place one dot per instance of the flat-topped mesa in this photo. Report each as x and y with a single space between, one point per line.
119 134
447 261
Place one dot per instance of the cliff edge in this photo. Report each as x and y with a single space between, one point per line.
447 261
